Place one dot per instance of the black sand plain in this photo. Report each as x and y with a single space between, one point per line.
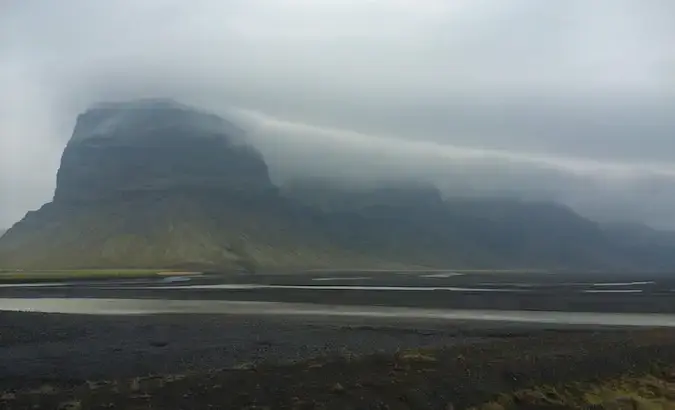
195 361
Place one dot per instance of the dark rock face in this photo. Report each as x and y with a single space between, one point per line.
156 145
331 196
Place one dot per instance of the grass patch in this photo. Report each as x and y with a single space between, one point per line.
416 355
646 392
44 275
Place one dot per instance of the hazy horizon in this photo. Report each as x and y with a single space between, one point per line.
568 101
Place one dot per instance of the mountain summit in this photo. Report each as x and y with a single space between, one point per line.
159 184
156 146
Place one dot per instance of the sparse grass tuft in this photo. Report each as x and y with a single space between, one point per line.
417 357
489 406
70 405
636 393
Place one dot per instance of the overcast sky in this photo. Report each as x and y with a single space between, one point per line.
569 100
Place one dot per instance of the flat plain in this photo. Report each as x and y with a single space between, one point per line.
338 340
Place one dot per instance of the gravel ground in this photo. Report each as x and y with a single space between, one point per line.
40 348
46 360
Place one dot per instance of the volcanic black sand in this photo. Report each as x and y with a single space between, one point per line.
202 361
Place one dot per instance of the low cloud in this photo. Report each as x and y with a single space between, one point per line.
607 191
570 101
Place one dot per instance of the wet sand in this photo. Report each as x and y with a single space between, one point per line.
583 292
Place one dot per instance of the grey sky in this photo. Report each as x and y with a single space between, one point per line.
569 100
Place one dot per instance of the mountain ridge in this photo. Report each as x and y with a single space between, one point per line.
155 183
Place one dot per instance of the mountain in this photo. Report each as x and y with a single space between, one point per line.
649 248
125 149
337 196
155 183
415 221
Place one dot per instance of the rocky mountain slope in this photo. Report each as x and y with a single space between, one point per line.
414 220
154 183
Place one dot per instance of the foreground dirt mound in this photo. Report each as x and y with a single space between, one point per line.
613 370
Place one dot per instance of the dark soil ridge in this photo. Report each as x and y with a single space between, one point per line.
494 375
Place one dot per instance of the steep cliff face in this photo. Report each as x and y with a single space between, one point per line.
156 146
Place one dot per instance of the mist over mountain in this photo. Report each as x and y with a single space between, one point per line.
569 102
157 183
122 149
605 191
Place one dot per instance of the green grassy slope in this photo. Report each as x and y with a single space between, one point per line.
170 232
203 231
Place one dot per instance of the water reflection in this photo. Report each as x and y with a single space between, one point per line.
154 306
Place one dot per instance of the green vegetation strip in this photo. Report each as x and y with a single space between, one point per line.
55 275
608 370
645 392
